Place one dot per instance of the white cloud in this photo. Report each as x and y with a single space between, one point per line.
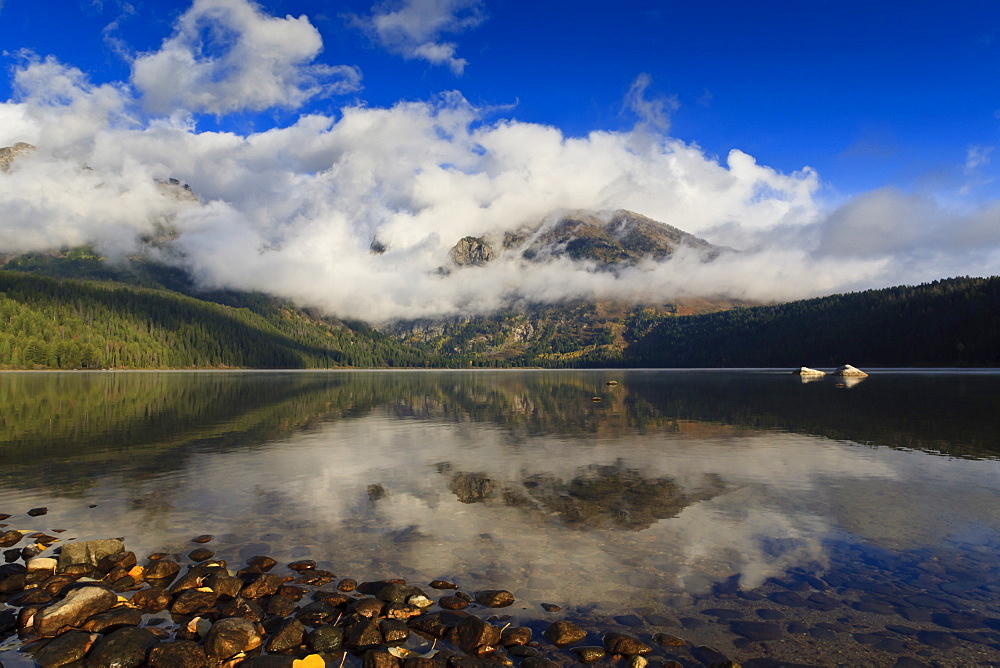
768 511
59 107
414 28
111 31
888 222
654 112
293 210
228 55
976 158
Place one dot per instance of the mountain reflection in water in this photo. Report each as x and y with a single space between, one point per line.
672 486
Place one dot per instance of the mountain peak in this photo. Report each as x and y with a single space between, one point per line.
608 238
8 154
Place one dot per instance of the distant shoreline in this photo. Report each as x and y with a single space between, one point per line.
767 369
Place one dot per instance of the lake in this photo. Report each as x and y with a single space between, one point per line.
765 515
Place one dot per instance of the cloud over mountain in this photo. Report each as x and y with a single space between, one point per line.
294 210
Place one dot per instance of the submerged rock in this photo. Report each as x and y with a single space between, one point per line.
452 603
201 554
590 654
397 593
757 631
472 487
302 565
626 645
563 633
637 662
9 538
515 636
538 662
495 598
668 640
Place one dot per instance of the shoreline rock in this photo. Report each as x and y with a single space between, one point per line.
96 605
850 372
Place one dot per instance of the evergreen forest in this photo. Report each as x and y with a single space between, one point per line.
48 323
74 310
952 322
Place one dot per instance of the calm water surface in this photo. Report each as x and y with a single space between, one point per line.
863 521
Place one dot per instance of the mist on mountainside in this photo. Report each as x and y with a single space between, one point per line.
359 212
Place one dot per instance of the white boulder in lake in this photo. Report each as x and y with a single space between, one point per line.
850 371
806 371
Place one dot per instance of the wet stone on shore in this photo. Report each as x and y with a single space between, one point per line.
96 603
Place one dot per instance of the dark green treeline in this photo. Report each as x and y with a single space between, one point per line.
952 322
48 323
67 324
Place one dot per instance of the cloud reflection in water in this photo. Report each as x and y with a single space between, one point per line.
517 481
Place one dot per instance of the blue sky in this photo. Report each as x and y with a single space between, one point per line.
840 147
867 94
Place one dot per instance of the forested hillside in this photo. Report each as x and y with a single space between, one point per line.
549 335
141 314
952 322
48 323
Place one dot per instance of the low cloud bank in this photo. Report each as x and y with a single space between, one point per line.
294 210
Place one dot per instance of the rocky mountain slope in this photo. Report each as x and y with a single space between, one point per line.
523 333
607 239
8 154
570 331
546 334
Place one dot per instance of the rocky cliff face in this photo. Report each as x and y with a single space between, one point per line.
8 154
170 187
176 189
474 251
606 239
